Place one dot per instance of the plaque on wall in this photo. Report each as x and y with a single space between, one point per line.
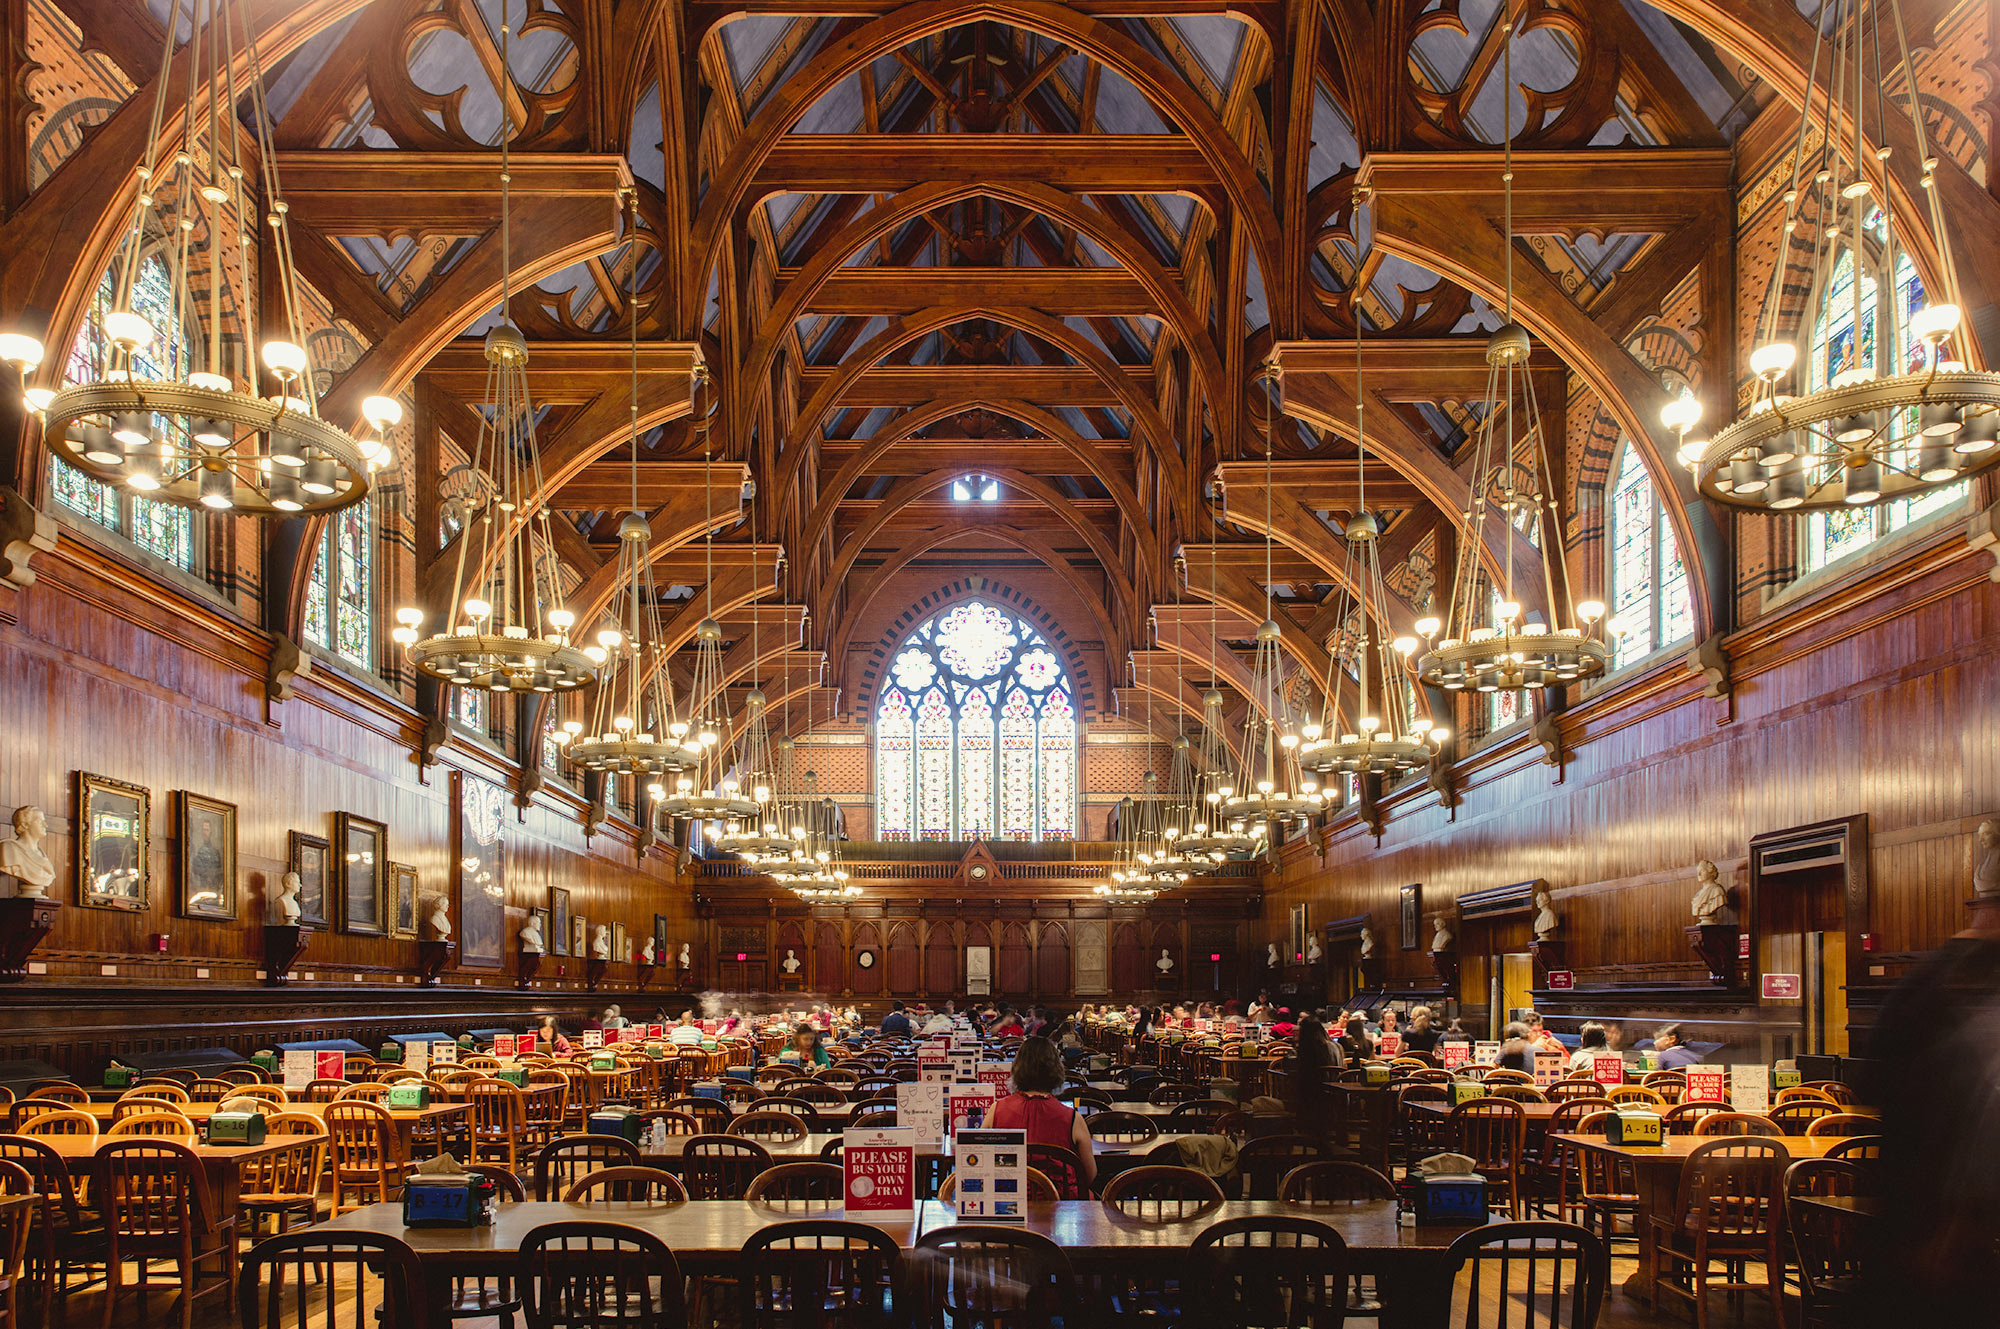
1092 957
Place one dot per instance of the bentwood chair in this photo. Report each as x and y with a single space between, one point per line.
1271 1273
1843 1124
1828 1244
67 1235
59 1121
769 1127
156 1204
1607 1189
300 1280
1729 1209
799 1188
721 1167
1059 1164
1684 1118
18 1205
1492 1132
59 1093
579 1275
367 1153
1533 1275
627 1185
1119 1127
499 1121
994 1277
1795 1117
1563 1090
1262 1164
210 1091
171 1124
1736 1123
1860 1148
285 1185
819 1274
560 1164
1162 1194
787 1103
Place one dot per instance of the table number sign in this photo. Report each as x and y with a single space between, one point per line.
1608 1069
881 1172
967 1106
298 1069
1750 1089
992 1168
1705 1084
329 1065
920 1106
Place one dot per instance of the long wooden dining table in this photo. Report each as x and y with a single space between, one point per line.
221 1163
1409 1263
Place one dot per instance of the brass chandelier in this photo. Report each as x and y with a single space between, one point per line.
152 421
508 630
633 727
1212 832
1509 651
1388 738
1882 428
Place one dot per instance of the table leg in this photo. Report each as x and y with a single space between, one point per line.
1657 1188
1414 1288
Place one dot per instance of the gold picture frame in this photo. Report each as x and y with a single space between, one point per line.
579 936
618 942
114 829
360 863
403 898
310 856
205 847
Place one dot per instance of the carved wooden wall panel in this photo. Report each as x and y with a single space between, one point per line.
1093 957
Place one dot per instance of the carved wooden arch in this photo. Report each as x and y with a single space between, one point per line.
784 107
820 520
961 591
911 488
859 598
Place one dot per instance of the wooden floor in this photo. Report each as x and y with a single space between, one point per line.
85 1309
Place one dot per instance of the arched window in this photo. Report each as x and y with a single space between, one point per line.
975 733
340 598
1650 605
163 530
1838 346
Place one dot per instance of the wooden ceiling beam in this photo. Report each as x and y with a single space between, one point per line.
891 291
1084 163
387 192
915 385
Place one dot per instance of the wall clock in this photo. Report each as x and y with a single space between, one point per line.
977 872
866 959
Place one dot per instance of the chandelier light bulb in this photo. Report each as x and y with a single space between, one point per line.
1428 627
286 496
1681 414
384 413
218 489
1933 323
22 351
285 359
477 609
98 445
129 332
610 638
38 399
1590 610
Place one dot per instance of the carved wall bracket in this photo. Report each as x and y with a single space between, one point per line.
25 921
24 532
1711 661
288 664
284 943
1716 944
1982 532
524 973
432 956
593 973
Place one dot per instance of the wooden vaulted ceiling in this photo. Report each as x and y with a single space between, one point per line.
1052 245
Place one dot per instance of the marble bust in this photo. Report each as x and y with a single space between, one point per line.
1441 938
646 953
686 961
790 963
531 936
1313 952
1547 921
1271 955
600 942
440 920
1986 875
23 857
1710 898
1367 942
283 899
1165 963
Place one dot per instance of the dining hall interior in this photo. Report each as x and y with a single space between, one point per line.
881 663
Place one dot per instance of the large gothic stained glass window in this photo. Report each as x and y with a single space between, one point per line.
975 733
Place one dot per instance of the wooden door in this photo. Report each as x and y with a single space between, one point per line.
1052 963
905 960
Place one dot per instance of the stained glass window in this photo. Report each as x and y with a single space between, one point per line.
1650 605
1837 350
340 598
975 732
162 530
468 709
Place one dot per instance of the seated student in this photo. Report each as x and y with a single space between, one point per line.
1543 1040
1669 1051
896 1022
939 1023
808 1047
686 1033
1006 1024
1594 1046
1354 1041
552 1037
613 1018
1033 1107
1517 1051
1421 1036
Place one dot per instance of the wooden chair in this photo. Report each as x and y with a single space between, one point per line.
59 1121
1040 1187
797 1107
273 1094
1795 1117
59 1093
369 1091
1860 1148
815 1092
1636 1095
1606 1186
323 1091
171 1124
1195 1118
872 1116
1843 1124
129 1106
210 1091
67 1236
377 1277
769 1127
1534 1275
561 1163
1828 1246
1261 1164
1803 1093
1492 1132
156 1205
1117 1127
1683 1118
1162 1194
628 1185
367 1152
499 1121
285 1185
1334 1183
1171 1093
819 1274
712 1113
1729 1209
799 1188
582 1274
1060 1164
1500 1075
1736 1123
984 1275
676 1122
27 1109
1551 1170
19 1204
1260 1272
721 1167
1834 1090
1564 1090
158 1091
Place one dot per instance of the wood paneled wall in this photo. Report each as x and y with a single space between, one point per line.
1878 695
107 671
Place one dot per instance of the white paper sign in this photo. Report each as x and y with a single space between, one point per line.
1750 1089
920 1106
298 1069
417 1056
992 1172
444 1053
1485 1053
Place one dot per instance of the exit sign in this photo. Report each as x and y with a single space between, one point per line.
1562 980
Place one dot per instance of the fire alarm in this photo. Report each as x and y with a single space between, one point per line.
160 942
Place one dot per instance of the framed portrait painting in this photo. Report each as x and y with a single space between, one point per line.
558 930
206 843
113 861
361 871
618 943
402 900
579 936
308 857
660 937
1412 920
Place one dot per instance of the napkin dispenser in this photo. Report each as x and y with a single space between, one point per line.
234 1128
1633 1127
444 1200
747 1074
1465 1091
623 1123
265 1061
1452 1199
409 1094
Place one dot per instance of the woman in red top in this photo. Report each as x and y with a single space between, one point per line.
1033 1107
